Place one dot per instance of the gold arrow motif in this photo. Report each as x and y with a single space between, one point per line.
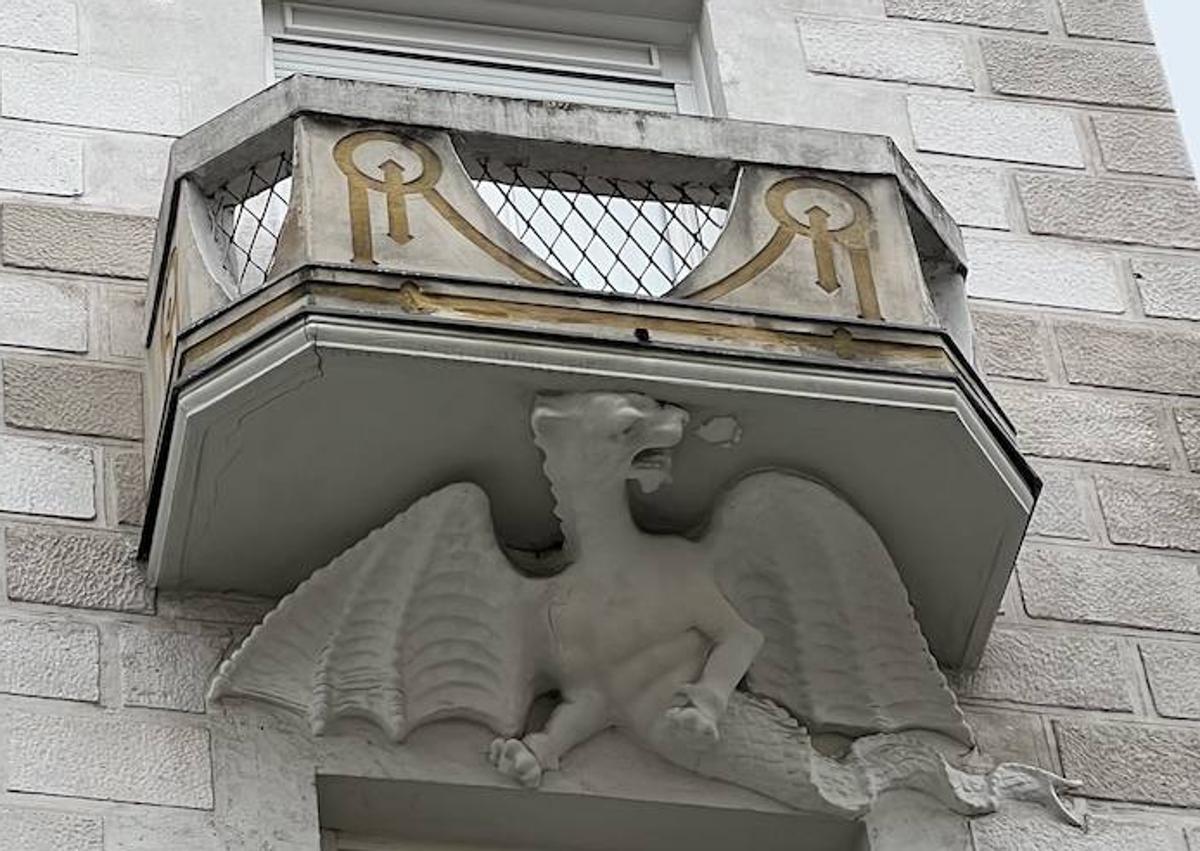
852 236
396 188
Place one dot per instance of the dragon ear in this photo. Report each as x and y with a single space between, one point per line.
545 412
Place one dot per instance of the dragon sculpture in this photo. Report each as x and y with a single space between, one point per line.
740 654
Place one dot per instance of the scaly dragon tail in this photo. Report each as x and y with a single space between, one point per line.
765 749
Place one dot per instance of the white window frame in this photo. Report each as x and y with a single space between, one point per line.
593 54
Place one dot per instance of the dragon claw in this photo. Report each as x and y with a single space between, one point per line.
514 759
695 716
694 725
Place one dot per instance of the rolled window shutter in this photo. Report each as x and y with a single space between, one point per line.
297 57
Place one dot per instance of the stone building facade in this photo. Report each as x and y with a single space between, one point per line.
1044 126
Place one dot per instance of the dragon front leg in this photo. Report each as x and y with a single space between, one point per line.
700 705
579 717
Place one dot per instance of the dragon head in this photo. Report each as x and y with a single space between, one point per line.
591 439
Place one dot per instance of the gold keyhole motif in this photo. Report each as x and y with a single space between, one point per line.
851 235
396 187
393 186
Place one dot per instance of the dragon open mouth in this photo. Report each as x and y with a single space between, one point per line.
654 458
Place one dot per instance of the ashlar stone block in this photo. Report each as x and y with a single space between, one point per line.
41 163
48 25
31 829
1188 420
884 51
1132 762
73 397
54 659
71 239
1087 585
124 314
61 92
41 477
110 758
1138 358
1031 272
82 569
1173 671
1009 344
1169 288
1024 828
1157 512
1027 15
1122 20
1119 76
1041 667
1166 216
1059 510
1142 144
166 669
975 195
43 314
1085 426
1014 132
127 477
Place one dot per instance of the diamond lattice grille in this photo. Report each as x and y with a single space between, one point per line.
247 214
607 234
613 235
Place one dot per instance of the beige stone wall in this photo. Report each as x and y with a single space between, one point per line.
1046 129
1044 125
101 742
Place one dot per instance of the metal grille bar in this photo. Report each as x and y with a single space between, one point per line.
607 234
247 214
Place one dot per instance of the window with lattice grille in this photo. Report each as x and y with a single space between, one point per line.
512 49
636 237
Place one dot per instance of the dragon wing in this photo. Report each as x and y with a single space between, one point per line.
843 650
422 619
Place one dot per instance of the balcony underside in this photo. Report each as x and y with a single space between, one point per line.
314 410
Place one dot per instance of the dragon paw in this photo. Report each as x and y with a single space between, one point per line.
514 759
694 725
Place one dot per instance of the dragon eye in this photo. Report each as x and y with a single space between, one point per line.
627 420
